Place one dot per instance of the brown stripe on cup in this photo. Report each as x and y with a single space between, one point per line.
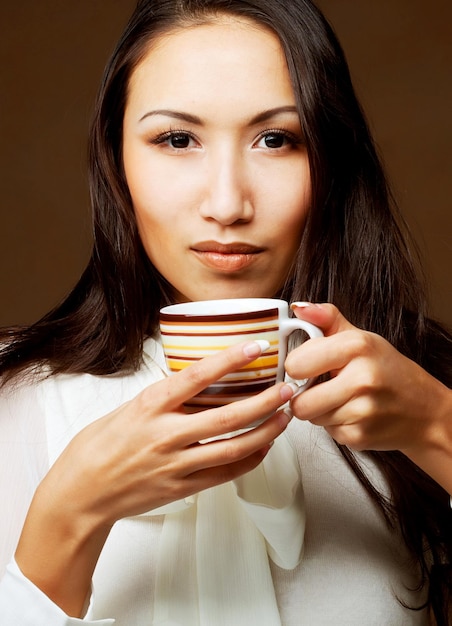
188 338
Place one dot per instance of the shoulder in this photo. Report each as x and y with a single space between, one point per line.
39 384
63 404
73 401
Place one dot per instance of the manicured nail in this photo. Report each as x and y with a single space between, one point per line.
303 305
288 391
255 348
300 305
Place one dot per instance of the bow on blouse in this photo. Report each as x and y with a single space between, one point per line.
213 562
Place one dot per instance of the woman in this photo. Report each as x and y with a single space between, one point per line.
229 158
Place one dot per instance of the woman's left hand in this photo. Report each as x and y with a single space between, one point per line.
376 398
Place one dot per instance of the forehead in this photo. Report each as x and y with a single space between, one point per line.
225 57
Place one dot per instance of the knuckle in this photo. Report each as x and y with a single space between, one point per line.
173 491
145 400
161 445
362 388
226 419
196 374
361 410
349 436
365 407
361 342
367 383
232 358
230 452
356 440
331 308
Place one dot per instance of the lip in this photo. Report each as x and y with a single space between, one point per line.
226 257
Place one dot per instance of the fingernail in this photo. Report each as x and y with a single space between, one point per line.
255 348
304 305
300 305
288 391
286 416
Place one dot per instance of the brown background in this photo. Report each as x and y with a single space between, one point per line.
51 57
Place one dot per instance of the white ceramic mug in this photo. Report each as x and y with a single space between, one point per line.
193 330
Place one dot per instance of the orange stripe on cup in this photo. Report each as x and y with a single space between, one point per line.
187 338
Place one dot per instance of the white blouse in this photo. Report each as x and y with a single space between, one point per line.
295 542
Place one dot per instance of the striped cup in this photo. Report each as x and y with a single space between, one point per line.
194 330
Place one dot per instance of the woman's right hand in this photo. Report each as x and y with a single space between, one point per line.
139 457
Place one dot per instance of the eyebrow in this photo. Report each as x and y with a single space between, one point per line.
194 119
178 115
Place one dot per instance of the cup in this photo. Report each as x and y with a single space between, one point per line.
193 330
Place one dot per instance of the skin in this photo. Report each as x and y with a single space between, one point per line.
238 173
117 475
227 192
223 124
377 399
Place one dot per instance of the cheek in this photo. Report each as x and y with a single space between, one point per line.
288 187
148 184
150 207
146 195
297 203
290 220
157 200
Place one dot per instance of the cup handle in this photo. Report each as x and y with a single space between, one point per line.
313 331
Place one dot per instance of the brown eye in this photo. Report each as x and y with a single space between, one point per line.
179 140
277 139
274 140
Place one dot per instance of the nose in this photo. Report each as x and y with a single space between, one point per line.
227 199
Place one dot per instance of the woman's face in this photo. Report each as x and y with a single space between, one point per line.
215 160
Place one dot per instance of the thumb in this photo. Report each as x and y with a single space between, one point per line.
326 316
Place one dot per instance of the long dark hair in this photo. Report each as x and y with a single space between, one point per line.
354 251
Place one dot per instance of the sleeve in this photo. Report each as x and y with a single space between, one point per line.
23 464
23 461
23 604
